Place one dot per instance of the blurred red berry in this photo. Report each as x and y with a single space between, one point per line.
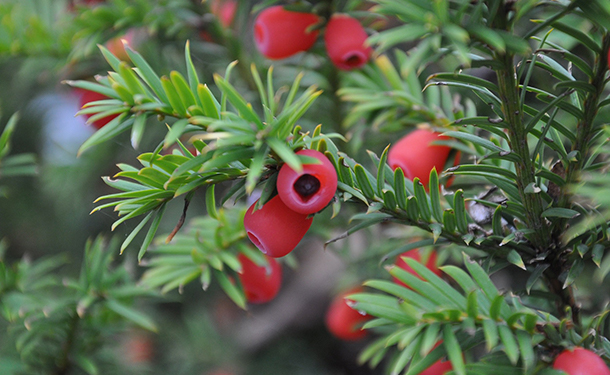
441 367
261 283
580 361
274 228
224 10
86 96
344 38
280 33
312 189
133 37
416 255
416 156
72 4
343 321
138 347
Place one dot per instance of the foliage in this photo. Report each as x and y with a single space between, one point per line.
519 87
61 323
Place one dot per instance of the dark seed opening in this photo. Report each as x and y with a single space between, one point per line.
354 60
306 185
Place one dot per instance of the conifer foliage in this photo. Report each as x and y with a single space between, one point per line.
470 135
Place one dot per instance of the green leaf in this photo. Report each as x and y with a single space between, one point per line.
381 171
208 102
496 222
487 36
7 133
475 140
575 271
175 132
134 232
174 99
449 222
190 70
400 189
147 74
244 109
464 78
490 330
578 35
534 276
472 306
481 278
364 184
435 196
230 289
514 258
152 230
183 89
285 153
460 211
86 365
510 344
422 200
210 202
565 213
526 348
109 131
137 131
131 314
454 351
412 210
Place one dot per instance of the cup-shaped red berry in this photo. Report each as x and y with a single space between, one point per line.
261 283
580 361
86 96
310 190
416 255
280 33
416 154
344 38
343 321
274 228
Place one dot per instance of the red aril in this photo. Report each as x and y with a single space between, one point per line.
416 155
280 33
261 283
274 228
344 38
310 190
343 321
580 361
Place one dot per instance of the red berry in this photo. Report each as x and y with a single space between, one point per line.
312 189
86 96
224 10
343 321
274 228
344 39
132 38
280 33
580 361
415 254
440 367
416 156
261 283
